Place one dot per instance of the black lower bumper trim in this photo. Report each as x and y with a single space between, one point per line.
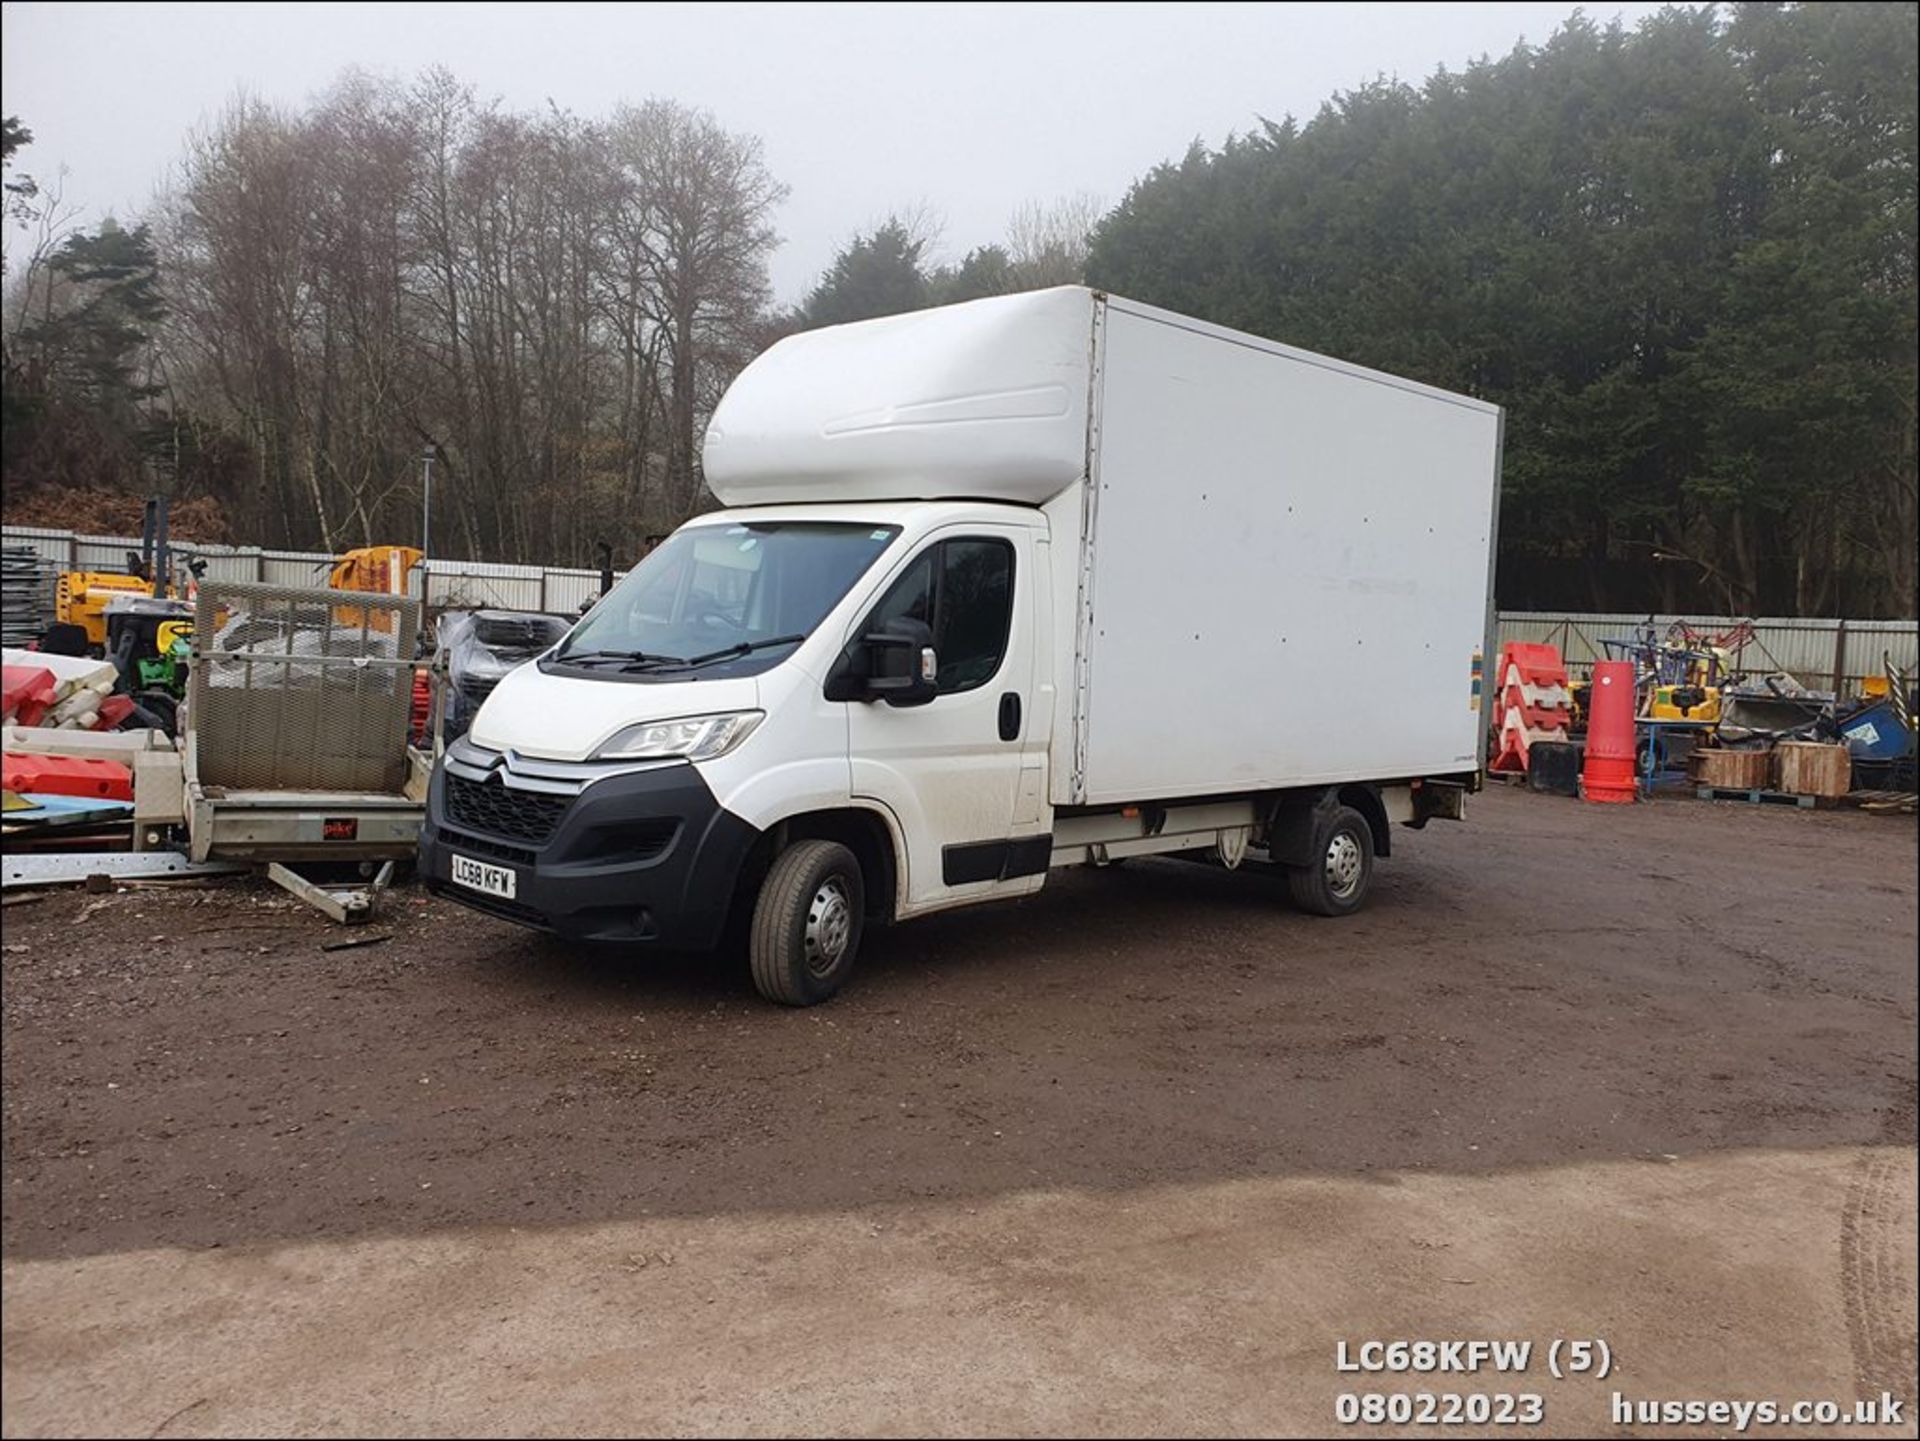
605 874
505 909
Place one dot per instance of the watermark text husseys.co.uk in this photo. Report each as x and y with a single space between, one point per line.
1884 1410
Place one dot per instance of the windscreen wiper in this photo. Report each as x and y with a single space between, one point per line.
745 647
629 658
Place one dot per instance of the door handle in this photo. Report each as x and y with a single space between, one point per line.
1010 716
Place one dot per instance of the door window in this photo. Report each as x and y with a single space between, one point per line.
973 610
963 591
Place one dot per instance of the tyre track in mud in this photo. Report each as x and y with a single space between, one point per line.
1877 1280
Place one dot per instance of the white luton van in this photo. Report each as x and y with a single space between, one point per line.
1041 580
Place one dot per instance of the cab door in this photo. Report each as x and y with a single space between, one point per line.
958 772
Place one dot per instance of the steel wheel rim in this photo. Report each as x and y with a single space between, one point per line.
829 927
1343 865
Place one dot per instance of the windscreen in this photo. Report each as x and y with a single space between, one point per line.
734 597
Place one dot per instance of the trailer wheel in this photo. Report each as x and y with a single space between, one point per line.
1336 884
807 923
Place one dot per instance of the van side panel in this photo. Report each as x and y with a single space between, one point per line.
1289 583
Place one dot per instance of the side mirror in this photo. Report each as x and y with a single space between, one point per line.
902 669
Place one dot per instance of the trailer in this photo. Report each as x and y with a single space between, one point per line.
296 735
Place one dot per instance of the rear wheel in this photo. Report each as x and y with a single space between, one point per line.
1337 881
807 923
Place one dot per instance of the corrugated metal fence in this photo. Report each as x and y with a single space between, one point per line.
451 584
1821 653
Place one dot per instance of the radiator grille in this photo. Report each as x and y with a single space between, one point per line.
492 849
499 810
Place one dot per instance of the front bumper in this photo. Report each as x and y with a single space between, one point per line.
645 856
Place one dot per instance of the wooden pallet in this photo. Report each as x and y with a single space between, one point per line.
1757 797
1884 802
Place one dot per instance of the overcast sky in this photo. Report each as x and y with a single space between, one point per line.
966 110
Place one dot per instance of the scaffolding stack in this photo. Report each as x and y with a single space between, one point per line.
26 595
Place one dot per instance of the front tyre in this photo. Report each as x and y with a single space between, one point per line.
1336 882
807 923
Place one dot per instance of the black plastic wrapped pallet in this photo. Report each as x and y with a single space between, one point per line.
1554 766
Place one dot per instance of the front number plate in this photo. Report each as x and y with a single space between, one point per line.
479 876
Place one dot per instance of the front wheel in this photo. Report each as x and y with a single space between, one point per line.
807 923
1337 881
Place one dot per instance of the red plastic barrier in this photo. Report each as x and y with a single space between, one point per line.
68 776
1608 774
25 693
1531 703
113 710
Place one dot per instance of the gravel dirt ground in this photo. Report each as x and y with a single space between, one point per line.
1132 1156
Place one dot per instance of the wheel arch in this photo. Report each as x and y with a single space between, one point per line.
868 832
1290 824
1366 800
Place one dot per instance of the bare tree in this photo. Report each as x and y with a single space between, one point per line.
701 206
552 304
47 219
241 278
1049 243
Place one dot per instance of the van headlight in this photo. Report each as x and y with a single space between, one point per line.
694 738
